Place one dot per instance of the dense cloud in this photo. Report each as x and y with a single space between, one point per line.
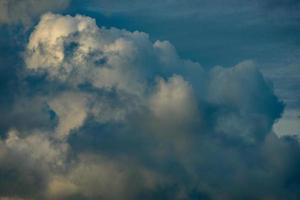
129 119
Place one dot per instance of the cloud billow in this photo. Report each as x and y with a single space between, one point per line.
133 120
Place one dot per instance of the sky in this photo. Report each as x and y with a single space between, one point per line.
136 99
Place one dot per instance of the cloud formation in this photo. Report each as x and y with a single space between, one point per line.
131 119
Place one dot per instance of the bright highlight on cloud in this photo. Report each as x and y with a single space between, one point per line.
130 119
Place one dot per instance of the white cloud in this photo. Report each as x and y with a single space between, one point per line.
37 147
95 176
75 50
174 100
71 109
27 160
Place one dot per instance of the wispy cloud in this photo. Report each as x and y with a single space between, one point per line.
23 12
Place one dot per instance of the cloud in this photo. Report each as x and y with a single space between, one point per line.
131 119
92 178
71 115
288 124
27 163
174 100
22 107
71 49
246 101
286 81
23 12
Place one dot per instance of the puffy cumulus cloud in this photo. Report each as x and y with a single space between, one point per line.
98 177
38 147
247 105
27 163
71 115
174 100
74 50
16 11
130 119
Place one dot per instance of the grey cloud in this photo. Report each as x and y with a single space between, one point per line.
27 162
136 121
24 11
234 90
286 83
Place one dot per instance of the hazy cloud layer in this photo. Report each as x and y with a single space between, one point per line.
124 117
23 11
187 8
